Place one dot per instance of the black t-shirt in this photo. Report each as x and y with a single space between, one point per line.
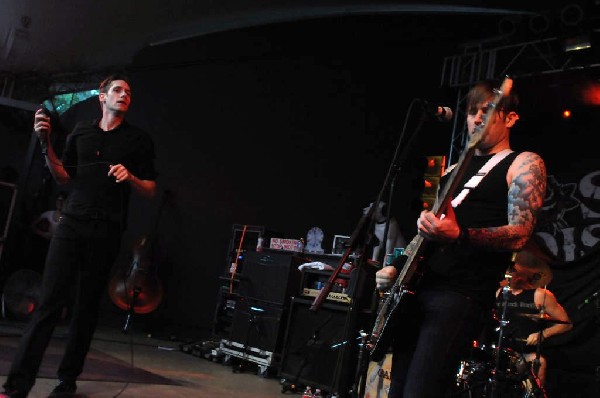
88 154
518 327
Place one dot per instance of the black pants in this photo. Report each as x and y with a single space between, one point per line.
437 330
81 255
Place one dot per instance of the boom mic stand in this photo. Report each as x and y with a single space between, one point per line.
363 234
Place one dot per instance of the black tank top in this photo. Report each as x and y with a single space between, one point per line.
475 272
518 327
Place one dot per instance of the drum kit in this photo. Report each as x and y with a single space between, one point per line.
495 370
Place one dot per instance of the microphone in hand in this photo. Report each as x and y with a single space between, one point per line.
43 134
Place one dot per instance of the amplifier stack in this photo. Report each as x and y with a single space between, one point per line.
274 326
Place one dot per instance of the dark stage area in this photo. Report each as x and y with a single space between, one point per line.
268 125
140 365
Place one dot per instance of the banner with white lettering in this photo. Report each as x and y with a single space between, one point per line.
569 224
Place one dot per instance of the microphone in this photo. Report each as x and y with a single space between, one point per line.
441 113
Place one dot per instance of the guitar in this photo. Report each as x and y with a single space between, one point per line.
390 300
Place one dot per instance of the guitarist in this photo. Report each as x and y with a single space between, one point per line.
468 249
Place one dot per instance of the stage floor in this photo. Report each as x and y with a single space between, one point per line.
143 366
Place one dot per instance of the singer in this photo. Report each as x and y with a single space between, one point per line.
468 247
103 160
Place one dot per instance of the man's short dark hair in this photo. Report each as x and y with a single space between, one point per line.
105 84
483 90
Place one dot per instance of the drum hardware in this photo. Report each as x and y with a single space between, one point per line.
503 322
543 319
493 366
502 367
529 270
508 369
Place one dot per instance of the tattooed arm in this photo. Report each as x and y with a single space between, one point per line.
526 180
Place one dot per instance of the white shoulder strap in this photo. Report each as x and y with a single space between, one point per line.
476 179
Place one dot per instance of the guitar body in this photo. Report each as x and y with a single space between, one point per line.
391 303
382 339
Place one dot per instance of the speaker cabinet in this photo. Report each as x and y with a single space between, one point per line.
258 324
320 347
270 277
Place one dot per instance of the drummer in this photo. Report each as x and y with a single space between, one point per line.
531 309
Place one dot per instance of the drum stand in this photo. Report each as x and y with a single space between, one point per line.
498 350
538 390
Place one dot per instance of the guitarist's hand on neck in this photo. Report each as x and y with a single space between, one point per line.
441 229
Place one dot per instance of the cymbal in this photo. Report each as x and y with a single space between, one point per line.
543 318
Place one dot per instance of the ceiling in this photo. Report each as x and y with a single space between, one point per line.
52 38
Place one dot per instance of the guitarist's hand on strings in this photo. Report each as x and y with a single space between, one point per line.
441 229
430 227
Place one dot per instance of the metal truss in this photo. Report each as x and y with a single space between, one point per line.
521 60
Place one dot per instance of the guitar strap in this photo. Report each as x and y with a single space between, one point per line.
476 179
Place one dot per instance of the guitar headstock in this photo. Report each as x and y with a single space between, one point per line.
499 93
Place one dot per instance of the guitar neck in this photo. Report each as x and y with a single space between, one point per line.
412 251
454 179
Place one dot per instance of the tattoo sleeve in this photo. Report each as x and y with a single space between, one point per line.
526 194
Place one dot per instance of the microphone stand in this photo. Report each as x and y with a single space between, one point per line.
503 322
588 300
136 292
363 363
363 234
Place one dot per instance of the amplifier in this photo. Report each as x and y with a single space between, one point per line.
258 324
270 277
314 280
332 296
321 347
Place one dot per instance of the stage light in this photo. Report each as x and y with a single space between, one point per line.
577 43
591 94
